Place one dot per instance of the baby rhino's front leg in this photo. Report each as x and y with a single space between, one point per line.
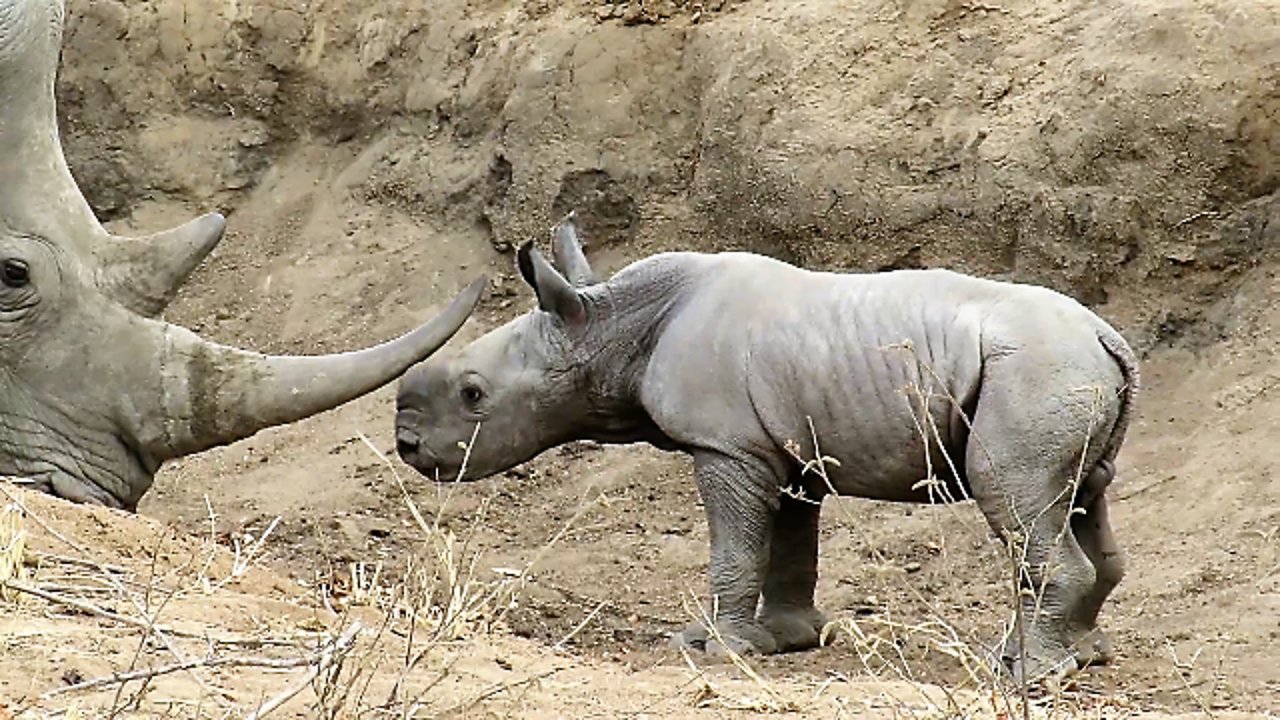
788 610
741 501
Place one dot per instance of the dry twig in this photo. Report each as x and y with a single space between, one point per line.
343 641
322 661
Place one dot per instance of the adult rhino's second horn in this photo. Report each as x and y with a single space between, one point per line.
214 394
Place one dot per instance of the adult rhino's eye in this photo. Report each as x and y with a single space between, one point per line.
471 394
15 273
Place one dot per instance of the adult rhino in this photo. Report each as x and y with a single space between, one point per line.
94 394
1016 395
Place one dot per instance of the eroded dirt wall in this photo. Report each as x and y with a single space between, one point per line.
1125 152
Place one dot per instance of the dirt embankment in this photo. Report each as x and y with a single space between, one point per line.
374 157
1125 153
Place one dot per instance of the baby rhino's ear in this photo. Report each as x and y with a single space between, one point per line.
555 294
566 250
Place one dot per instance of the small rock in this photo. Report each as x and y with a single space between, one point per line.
633 15
912 567
256 136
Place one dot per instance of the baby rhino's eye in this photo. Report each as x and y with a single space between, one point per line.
471 394
15 273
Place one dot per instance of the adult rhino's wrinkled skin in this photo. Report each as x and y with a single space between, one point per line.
94 393
1013 395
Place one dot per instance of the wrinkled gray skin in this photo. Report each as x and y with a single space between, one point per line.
727 357
94 394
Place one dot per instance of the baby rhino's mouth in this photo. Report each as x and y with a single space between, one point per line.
411 450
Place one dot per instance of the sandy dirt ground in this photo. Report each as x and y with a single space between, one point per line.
373 158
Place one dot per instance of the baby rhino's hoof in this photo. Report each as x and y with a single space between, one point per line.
795 628
1094 648
749 640
1038 667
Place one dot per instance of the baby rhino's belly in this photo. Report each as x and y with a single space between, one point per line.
893 462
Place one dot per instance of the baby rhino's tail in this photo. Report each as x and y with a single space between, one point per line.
1105 471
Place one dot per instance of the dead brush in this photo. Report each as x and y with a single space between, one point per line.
386 650
440 598
441 587
245 549
133 601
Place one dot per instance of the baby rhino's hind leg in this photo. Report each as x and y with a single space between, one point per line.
1092 530
1029 430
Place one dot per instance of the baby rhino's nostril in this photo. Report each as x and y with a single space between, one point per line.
406 443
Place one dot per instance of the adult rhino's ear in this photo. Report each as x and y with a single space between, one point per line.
555 294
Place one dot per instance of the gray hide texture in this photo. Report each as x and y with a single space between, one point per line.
94 393
925 385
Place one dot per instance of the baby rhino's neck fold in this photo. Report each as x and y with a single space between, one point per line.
630 312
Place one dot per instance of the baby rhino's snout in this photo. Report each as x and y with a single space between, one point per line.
413 452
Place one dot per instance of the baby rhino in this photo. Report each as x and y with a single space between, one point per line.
1012 395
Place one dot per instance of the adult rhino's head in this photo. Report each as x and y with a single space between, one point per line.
516 391
94 393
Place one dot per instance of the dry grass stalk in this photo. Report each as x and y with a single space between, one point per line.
491 691
442 588
13 537
245 550
969 654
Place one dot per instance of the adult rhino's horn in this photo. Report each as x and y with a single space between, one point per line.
566 251
144 274
214 395
39 196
